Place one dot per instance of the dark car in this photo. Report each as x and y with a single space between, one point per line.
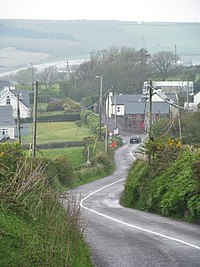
135 139
4 138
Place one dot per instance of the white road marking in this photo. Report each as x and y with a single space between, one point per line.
128 224
131 151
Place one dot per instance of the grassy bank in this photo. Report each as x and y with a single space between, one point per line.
169 185
35 228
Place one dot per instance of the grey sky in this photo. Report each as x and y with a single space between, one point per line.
130 10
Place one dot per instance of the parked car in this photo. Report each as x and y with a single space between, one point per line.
4 138
135 139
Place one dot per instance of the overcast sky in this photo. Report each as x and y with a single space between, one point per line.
128 10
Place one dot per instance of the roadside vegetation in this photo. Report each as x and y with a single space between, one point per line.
36 230
165 179
40 221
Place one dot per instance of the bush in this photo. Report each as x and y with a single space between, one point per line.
133 187
103 159
55 106
173 192
64 171
10 154
54 118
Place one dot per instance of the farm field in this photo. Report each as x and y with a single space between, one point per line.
74 154
52 132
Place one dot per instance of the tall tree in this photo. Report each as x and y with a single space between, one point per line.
164 61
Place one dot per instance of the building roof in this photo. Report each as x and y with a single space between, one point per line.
6 116
23 96
142 108
121 99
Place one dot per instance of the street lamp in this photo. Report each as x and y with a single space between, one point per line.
100 104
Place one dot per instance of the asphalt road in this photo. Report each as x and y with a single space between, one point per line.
122 237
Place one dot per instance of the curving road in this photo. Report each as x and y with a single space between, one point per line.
122 237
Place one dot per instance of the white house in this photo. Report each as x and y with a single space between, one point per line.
197 99
9 95
171 86
7 122
193 105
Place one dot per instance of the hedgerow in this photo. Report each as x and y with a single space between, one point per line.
168 184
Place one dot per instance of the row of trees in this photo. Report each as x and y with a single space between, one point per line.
124 70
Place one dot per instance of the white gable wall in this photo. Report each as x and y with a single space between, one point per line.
197 99
119 110
24 111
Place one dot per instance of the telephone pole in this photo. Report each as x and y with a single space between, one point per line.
150 110
100 103
18 120
35 120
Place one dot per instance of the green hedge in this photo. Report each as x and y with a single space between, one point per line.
173 193
54 118
57 145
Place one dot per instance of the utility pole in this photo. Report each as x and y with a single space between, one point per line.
115 99
35 120
179 120
100 104
150 110
107 121
32 77
18 120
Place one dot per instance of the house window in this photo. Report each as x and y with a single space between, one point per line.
134 117
8 100
3 131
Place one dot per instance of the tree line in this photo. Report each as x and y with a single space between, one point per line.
124 70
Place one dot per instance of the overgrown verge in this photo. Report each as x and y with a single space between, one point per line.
169 184
35 229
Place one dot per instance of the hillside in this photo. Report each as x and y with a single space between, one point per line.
40 41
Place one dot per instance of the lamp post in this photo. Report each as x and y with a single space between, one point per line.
100 103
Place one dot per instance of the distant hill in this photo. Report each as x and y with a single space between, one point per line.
75 39
9 31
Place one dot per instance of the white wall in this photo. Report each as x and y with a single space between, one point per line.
10 130
24 111
197 99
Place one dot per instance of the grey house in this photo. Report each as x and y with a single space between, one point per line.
130 111
7 122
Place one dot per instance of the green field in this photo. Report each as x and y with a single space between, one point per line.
52 132
75 154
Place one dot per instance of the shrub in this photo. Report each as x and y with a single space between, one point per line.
55 106
133 187
10 154
173 191
103 159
